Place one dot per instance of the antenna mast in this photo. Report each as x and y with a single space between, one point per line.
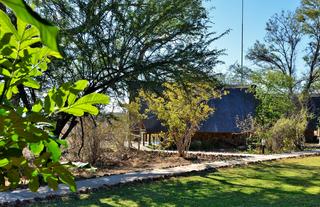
242 71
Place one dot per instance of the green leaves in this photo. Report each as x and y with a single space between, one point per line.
5 72
6 25
21 62
80 85
15 137
37 148
4 162
66 177
28 146
52 182
54 149
272 89
33 183
84 104
31 83
49 102
93 98
79 110
37 106
48 32
64 98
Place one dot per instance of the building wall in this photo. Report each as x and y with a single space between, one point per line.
314 109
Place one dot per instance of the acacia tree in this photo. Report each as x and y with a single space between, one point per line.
182 109
309 15
282 92
277 82
122 46
279 50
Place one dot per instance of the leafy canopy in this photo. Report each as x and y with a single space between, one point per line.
271 89
122 46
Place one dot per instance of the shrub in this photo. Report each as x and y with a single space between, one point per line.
288 133
86 142
91 139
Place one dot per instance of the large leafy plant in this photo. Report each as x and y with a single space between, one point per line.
29 150
181 109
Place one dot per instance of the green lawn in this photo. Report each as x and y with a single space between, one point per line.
293 182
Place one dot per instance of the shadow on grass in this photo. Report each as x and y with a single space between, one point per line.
266 184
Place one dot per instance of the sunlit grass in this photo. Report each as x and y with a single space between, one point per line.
293 182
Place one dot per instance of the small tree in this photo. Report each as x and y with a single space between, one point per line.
181 109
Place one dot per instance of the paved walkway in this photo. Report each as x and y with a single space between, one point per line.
25 194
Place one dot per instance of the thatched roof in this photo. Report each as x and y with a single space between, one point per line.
239 102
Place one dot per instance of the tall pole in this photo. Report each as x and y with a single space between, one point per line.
242 43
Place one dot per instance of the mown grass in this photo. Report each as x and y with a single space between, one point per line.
292 182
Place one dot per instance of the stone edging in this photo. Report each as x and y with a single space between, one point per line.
23 196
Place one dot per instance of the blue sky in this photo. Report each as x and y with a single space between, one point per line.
226 14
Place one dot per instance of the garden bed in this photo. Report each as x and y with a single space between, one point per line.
135 160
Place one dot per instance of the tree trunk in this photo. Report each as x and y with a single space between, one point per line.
3 8
61 122
181 152
181 147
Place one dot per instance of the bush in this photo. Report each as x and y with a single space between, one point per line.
288 133
89 146
100 137
91 140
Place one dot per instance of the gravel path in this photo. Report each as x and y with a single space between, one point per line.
83 185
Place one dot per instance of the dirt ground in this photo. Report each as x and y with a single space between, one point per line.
140 160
